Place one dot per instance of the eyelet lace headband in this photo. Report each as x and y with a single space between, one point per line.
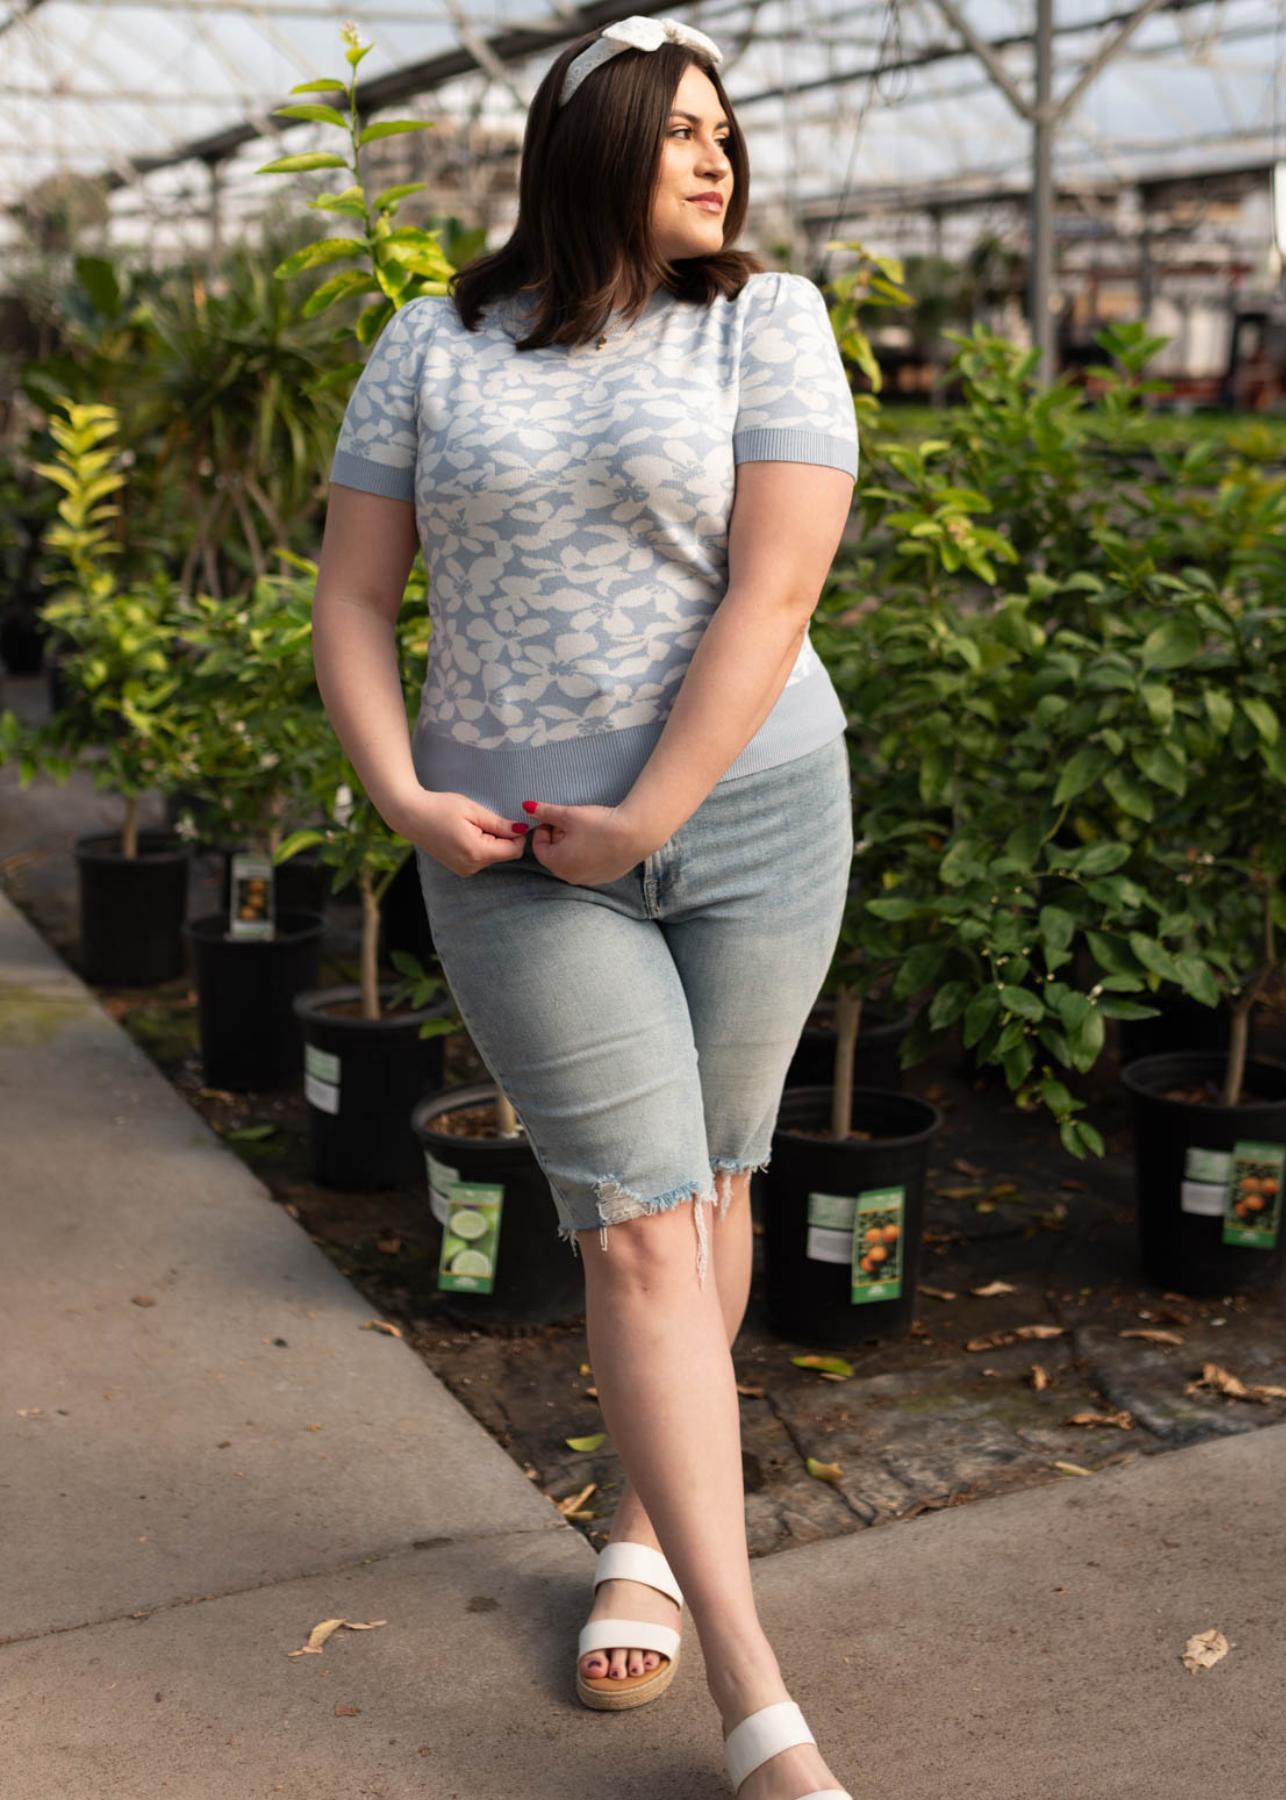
635 33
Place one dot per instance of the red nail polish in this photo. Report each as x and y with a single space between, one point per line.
530 805
522 828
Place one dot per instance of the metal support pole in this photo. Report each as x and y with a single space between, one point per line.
1043 325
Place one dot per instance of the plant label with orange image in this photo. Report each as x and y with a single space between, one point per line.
470 1238
1254 1204
250 908
877 1244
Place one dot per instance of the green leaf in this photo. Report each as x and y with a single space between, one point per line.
1263 718
1130 795
1198 978
392 196
834 1365
393 128
948 1003
298 165
587 1443
979 1014
1173 644
1022 1001
1153 956
918 967
1162 764
349 281
324 84
1081 772
322 115
1218 709
1160 703
326 250
1111 953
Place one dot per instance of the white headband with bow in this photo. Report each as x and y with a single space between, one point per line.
635 33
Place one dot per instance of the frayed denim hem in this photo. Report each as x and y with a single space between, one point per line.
617 1203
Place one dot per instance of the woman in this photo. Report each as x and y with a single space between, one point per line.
629 454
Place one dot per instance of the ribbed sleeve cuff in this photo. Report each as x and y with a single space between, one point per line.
373 477
776 443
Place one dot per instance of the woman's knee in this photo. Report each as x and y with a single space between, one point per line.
649 1249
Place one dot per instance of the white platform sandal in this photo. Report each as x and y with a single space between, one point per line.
609 1693
761 1735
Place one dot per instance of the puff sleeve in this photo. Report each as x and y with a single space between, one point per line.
376 446
794 402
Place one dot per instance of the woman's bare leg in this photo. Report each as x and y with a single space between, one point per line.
731 1261
662 1365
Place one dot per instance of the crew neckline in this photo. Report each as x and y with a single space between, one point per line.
513 313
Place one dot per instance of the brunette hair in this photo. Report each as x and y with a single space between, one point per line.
588 172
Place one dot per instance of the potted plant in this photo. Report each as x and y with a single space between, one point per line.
395 264
124 669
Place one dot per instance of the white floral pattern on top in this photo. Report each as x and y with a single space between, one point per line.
574 504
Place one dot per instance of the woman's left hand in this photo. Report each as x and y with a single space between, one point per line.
587 846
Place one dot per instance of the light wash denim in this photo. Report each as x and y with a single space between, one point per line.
642 1029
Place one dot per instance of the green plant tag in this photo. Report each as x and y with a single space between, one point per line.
877 1244
1254 1202
250 909
473 1221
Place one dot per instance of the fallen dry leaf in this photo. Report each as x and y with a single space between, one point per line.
382 1325
1080 1187
574 1502
319 1633
937 1293
994 1287
1072 1468
1039 1331
346 1712
390 1246
965 1167
1122 1419
752 1393
30 1412
1212 1376
585 1369
215 1094
995 1340
1152 1336
591 1393
1204 1649
958 1193
822 1471
144 1300
1039 1377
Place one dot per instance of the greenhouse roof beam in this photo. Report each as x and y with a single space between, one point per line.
512 44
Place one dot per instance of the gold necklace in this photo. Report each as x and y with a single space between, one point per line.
604 338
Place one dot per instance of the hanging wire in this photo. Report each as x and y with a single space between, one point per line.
891 90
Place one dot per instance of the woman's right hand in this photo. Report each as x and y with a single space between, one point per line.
457 832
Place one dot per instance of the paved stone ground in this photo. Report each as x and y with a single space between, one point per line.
925 1422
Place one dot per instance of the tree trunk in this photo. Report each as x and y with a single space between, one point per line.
370 945
848 1013
129 834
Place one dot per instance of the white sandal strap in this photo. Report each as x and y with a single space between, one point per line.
761 1735
637 1562
637 1634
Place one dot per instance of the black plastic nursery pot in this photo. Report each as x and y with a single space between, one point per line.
132 908
875 1052
843 1218
506 1265
251 1037
1208 1178
362 1080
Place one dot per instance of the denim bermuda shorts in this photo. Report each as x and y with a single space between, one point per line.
642 1029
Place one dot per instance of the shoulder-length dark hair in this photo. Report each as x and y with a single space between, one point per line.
588 171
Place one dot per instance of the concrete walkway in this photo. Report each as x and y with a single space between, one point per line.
203 1454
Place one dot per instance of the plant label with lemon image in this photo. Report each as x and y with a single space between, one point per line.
1254 1198
250 908
1204 1188
470 1238
877 1244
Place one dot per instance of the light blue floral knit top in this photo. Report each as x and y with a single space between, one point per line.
573 507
